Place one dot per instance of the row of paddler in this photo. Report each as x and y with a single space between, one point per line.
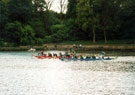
71 54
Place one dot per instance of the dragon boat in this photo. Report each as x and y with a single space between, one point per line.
51 57
73 59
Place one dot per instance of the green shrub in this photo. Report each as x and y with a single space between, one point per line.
28 36
59 32
13 32
48 39
39 41
5 44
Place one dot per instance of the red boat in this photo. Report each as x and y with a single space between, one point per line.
50 57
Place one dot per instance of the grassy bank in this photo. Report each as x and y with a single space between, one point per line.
116 43
85 47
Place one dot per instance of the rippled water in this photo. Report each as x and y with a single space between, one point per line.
22 74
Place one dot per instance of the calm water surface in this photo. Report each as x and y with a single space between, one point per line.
22 74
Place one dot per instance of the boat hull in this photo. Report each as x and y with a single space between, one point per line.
70 59
50 57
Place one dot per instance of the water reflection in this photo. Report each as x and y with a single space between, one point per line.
21 74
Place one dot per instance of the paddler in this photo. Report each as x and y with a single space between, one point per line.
103 54
89 56
82 57
49 54
93 56
42 53
75 56
56 54
72 51
67 54
60 54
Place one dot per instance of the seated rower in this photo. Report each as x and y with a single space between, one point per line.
56 54
87 57
67 54
68 51
49 54
60 54
42 52
82 57
93 56
72 51
75 56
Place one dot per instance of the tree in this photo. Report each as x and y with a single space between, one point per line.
42 10
71 9
38 27
60 32
27 36
62 8
71 16
106 15
20 10
3 16
39 5
48 4
48 16
87 18
19 35
127 18
13 32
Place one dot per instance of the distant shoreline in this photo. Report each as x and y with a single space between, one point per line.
75 47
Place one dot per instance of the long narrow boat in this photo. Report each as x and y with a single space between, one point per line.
47 57
50 57
70 59
73 59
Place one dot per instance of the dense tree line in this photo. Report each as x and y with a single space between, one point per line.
31 22
103 19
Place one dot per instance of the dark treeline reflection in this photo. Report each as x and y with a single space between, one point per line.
31 22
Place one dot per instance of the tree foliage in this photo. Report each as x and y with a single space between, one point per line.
31 22
13 32
20 10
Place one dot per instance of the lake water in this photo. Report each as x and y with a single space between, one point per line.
22 74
